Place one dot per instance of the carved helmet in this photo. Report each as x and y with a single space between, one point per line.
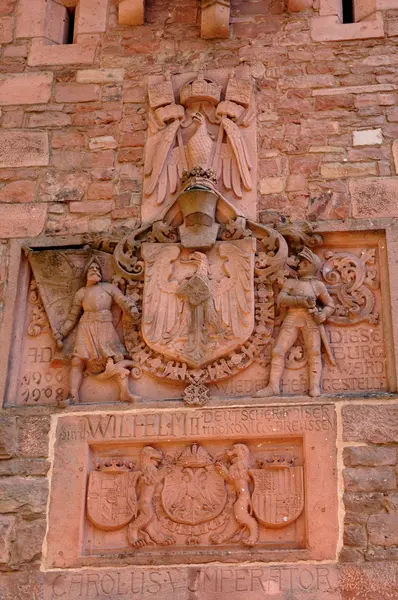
312 258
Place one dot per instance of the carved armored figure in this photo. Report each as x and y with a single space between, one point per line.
238 475
96 336
301 298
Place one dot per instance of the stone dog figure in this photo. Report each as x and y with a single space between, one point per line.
97 341
302 298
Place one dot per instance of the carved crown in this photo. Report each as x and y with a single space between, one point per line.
114 465
276 462
200 90
194 456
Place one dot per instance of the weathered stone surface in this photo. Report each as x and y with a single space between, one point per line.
23 149
367 503
6 536
22 585
340 170
24 467
22 221
375 424
82 53
25 88
6 30
374 197
18 191
103 143
63 187
367 456
76 92
368 479
383 530
8 437
29 496
33 436
92 207
272 185
100 75
355 535
28 541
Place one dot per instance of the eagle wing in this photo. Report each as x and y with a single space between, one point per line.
162 162
233 293
162 306
235 160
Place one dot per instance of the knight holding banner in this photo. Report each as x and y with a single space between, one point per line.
308 305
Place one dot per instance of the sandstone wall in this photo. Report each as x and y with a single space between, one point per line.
72 137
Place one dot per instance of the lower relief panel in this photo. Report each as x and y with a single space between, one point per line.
194 486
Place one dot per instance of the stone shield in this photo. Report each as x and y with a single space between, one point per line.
193 495
278 495
111 499
198 306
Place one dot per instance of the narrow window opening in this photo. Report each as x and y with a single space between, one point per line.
70 25
348 11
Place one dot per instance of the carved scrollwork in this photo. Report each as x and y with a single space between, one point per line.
352 280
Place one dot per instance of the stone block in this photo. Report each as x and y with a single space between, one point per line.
33 436
6 30
339 170
91 207
272 185
56 23
355 89
100 191
374 197
23 149
28 496
30 18
131 12
369 479
25 467
18 191
383 530
28 541
49 118
77 92
367 137
22 221
104 142
374 424
81 53
367 456
25 88
330 28
91 16
8 437
100 76
395 154
63 187
6 537
355 535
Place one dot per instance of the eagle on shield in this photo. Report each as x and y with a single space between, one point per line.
200 307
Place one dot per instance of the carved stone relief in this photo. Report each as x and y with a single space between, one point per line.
186 485
202 301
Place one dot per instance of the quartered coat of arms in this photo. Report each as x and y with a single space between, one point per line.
191 298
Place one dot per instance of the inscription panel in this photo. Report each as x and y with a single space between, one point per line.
198 485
